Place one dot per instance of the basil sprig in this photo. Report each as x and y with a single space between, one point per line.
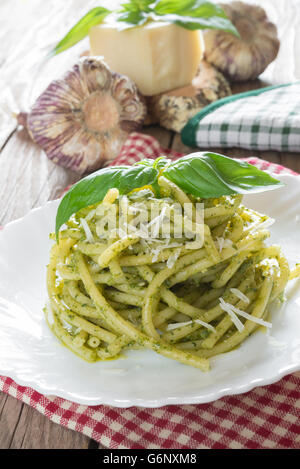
190 14
204 175
208 175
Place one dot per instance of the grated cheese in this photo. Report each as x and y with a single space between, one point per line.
205 324
240 295
156 222
178 324
228 308
245 315
235 312
90 215
87 230
222 243
173 258
197 321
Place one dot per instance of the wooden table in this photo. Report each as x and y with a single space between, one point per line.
28 179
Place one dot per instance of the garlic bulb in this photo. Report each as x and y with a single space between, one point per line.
82 120
243 58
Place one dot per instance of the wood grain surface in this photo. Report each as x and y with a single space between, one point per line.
28 179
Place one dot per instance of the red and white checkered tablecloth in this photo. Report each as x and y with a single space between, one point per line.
266 417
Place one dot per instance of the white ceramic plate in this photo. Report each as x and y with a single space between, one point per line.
32 356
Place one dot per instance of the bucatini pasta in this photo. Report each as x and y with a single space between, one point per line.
187 296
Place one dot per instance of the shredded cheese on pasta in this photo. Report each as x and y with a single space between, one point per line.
188 298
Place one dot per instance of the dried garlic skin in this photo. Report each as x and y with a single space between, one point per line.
82 120
173 109
244 58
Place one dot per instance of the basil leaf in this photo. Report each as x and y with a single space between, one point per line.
145 162
134 13
131 20
81 29
194 14
159 163
209 175
204 174
92 189
138 5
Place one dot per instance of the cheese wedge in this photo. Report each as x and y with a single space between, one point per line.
158 56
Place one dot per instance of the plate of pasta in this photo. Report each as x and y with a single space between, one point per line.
138 289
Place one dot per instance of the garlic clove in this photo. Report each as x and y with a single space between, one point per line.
82 120
244 58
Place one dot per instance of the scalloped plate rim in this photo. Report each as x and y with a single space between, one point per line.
156 403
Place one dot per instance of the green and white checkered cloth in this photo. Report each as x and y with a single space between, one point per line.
264 119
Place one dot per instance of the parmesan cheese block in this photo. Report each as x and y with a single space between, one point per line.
158 56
